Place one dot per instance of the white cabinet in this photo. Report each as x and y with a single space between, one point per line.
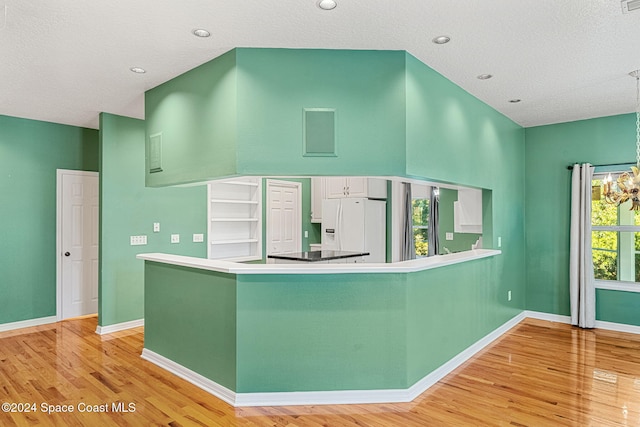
318 193
355 186
467 212
235 219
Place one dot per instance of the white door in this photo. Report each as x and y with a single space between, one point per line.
77 243
284 217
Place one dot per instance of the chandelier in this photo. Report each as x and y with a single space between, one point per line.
626 186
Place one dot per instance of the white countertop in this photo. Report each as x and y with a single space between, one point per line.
396 267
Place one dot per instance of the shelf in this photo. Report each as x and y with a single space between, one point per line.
233 241
234 219
241 202
248 184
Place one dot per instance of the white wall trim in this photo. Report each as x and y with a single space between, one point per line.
548 316
435 376
101 330
618 327
613 285
27 323
194 378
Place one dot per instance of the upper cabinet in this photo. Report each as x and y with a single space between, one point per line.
355 186
467 211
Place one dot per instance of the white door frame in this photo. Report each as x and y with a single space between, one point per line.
298 213
59 173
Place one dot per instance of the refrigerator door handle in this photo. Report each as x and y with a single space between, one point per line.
339 227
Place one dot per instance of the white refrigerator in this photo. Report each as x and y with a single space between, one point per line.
355 224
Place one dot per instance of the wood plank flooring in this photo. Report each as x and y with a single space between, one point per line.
538 374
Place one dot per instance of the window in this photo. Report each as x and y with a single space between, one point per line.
615 238
420 208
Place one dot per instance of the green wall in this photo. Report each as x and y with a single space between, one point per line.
128 208
30 153
365 87
549 150
454 137
321 332
190 318
241 113
196 114
284 333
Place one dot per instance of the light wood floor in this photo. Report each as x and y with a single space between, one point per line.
538 374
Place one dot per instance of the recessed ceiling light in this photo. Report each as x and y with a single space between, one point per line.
327 4
138 70
200 32
484 76
514 101
441 39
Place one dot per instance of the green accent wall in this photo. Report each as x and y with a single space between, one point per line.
321 332
454 137
242 113
30 153
284 333
190 318
366 88
549 150
128 208
197 117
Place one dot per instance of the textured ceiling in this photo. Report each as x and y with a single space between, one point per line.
65 61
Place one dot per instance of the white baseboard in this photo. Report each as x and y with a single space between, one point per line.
193 377
101 330
27 323
548 316
619 327
435 376
339 397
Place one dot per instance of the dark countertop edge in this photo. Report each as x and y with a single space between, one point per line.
297 257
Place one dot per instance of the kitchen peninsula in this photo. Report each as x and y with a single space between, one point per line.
310 333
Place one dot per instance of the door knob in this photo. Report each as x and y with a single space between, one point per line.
67 253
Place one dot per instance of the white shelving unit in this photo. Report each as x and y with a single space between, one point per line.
235 219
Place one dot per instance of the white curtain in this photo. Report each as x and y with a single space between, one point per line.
581 281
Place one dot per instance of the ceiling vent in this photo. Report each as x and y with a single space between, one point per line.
630 5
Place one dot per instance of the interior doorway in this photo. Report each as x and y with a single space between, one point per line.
77 243
284 217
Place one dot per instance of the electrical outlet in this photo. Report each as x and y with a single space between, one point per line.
508 295
198 238
448 236
137 240
175 238
156 227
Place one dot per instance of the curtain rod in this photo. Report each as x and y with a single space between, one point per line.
570 167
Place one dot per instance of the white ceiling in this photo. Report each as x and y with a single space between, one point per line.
65 61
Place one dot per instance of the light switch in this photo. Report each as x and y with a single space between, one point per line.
198 237
499 242
175 238
306 234
156 227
